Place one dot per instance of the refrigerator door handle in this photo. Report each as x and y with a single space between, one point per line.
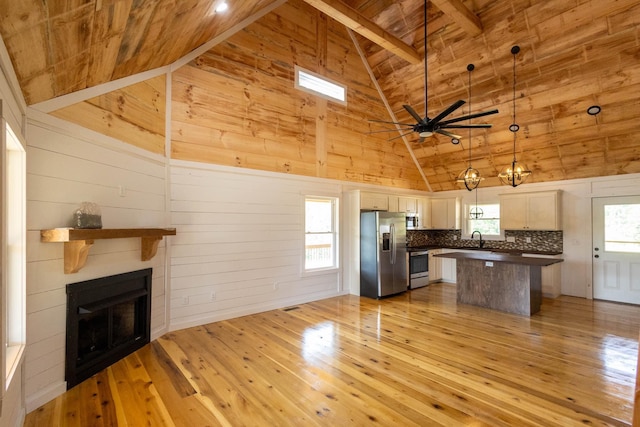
393 243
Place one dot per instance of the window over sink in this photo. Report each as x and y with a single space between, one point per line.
488 223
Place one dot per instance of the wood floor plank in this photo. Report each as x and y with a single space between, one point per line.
418 359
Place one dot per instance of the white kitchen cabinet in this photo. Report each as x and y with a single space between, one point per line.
448 267
408 205
374 202
445 213
435 266
531 211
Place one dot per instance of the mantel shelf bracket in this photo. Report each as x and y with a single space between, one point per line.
77 242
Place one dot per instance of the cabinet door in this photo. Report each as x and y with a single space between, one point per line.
542 211
407 205
444 214
513 212
373 201
435 266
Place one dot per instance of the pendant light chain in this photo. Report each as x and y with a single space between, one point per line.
426 90
470 68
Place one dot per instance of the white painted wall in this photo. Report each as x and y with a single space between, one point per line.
67 165
240 243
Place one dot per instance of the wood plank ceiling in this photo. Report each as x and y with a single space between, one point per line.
574 54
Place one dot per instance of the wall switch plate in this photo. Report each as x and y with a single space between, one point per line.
488 263
511 239
455 237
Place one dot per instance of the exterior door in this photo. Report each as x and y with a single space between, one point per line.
616 249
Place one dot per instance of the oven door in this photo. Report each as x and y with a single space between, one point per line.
418 269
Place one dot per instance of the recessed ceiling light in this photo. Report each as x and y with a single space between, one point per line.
222 7
593 110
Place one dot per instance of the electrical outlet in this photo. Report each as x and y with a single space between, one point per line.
185 300
212 297
528 239
276 285
122 191
455 237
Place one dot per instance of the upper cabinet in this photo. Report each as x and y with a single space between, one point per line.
531 211
374 202
445 213
408 205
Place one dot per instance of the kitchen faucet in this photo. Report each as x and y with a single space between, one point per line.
481 241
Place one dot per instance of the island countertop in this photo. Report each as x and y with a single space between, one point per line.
499 257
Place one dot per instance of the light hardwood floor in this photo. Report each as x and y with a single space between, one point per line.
414 359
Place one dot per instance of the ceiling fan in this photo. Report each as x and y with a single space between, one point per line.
425 126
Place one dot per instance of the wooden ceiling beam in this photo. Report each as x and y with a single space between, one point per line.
457 11
352 19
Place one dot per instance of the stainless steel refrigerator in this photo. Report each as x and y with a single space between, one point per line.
383 265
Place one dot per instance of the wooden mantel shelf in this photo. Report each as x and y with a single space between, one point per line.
78 241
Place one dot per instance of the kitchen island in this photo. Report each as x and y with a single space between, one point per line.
504 282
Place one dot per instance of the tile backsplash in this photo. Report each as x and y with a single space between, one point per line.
538 241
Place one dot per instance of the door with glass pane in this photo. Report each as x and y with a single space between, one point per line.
616 249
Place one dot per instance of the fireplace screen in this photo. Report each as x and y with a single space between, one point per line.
107 319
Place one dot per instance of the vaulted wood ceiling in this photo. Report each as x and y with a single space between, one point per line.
574 54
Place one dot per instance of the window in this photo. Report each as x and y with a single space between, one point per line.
488 223
622 228
318 85
321 235
13 167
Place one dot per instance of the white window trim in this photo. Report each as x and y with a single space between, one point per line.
15 339
304 272
299 70
466 233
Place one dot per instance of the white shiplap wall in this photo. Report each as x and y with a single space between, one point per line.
240 243
67 165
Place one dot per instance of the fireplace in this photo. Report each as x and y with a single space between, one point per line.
107 319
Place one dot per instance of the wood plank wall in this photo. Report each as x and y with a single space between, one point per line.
236 105
64 169
134 114
239 242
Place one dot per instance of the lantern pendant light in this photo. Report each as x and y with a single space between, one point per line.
470 177
517 172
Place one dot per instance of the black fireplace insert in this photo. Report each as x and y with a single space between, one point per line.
107 319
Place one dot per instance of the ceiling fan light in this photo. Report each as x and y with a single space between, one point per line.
425 134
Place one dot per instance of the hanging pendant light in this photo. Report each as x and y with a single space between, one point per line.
476 212
517 172
470 177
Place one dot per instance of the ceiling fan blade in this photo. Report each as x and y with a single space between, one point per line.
384 130
476 126
400 136
459 103
414 114
449 134
392 123
470 116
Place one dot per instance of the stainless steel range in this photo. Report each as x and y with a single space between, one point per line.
418 269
